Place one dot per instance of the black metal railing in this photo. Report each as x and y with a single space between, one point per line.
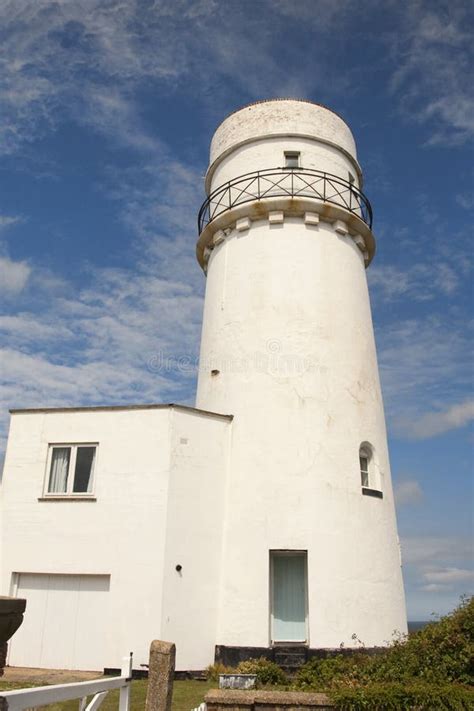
285 182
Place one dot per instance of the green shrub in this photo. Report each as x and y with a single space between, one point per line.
400 697
213 671
320 674
441 652
267 672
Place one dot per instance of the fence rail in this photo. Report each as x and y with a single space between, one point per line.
285 182
20 699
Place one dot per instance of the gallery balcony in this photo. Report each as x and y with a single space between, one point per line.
289 183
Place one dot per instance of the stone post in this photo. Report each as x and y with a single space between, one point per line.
160 676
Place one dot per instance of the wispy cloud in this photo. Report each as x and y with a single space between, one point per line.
13 276
421 281
433 79
91 61
449 575
425 367
103 344
408 491
442 580
17 275
432 588
432 424
8 221
440 566
432 550
427 266
465 200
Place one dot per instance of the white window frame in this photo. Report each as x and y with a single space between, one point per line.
69 493
365 453
374 475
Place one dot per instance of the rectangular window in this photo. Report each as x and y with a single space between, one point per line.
364 470
292 159
70 469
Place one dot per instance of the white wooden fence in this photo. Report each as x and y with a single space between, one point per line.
20 699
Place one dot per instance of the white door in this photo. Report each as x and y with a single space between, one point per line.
288 596
65 623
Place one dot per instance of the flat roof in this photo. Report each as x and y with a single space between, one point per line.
111 408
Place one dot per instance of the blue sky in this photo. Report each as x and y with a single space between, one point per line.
107 110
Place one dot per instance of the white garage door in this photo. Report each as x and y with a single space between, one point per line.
65 624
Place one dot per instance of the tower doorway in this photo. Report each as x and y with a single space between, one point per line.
288 597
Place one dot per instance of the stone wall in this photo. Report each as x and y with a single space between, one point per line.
233 700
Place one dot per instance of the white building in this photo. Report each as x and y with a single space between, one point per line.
264 518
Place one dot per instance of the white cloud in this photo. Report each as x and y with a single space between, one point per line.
449 575
103 344
439 565
432 424
408 491
425 551
442 580
8 220
433 50
425 368
433 588
465 200
13 276
421 281
90 60
26 328
433 268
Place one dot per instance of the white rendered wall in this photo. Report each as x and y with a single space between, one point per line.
286 117
270 153
159 480
287 324
198 480
111 535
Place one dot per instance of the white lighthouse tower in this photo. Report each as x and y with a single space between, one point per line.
310 554
266 511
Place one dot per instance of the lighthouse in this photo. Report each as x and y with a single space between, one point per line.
310 552
263 518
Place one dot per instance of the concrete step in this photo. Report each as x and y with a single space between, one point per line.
290 658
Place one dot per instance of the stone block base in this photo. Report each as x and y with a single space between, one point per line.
290 658
232 700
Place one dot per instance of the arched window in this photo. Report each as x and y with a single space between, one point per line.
365 463
370 476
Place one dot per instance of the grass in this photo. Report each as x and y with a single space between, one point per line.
186 695
189 694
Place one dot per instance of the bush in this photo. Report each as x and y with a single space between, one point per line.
213 671
267 672
400 697
321 674
440 653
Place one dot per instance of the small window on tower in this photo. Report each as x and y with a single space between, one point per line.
292 159
369 474
364 459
